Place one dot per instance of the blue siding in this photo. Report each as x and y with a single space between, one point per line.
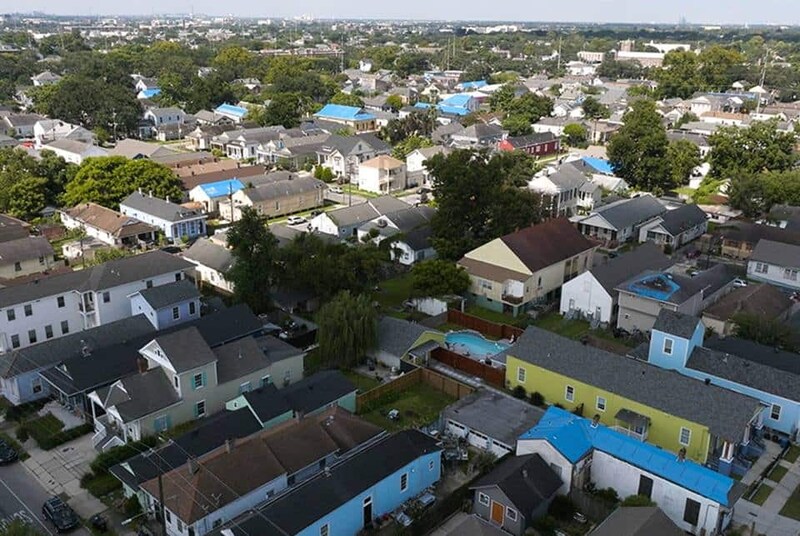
19 389
347 520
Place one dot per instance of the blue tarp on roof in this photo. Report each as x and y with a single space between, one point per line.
574 437
222 188
422 105
348 113
456 100
230 109
602 166
453 110
475 84
656 286
151 92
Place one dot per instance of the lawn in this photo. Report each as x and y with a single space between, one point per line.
792 506
573 329
363 383
761 494
777 473
792 454
393 292
347 188
418 406
497 318
44 427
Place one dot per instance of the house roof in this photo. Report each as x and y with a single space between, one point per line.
140 395
240 358
545 244
599 165
283 188
567 177
480 131
528 481
575 436
682 219
492 272
325 493
131 148
647 256
366 211
383 161
111 221
776 253
530 139
396 336
463 524
159 208
186 349
675 323
267 402
170 294
76 147
317 390
627 212
346 144
22 249
341 112
230 109
12 228
764 300
676 288
210 254
499 416
638 521
753 232
724 412
418 238
221 188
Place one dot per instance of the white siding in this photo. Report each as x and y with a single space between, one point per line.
585 294
549 454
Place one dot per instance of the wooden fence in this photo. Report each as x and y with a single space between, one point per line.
402 383
491 375
490 329
449 386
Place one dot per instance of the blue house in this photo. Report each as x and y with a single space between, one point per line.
350 116
167 305
461 104
175 221
347 498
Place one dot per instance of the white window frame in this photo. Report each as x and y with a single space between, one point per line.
325 530
511 513
194 381
521 374
197 410
484 499
604 404
567 396
402 487
671 346
688 434
762 268
772 412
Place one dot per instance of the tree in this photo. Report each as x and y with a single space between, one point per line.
637 501
500 100
638 151
254 250
347 99
687 117
18 527
285 109
419 123
683 156
324 174
438 278
678 76
576 134
720 67
531 106
347 329
108 254
761 147
763 330
616 70
594 109
28 197
517 125
233 62
410 144
395 102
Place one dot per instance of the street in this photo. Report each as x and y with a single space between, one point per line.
21 497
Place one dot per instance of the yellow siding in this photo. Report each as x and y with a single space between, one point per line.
498 254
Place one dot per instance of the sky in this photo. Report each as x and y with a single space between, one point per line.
657 11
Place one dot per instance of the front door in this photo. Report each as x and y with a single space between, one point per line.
497 512
368 512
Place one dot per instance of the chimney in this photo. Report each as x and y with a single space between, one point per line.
167 199
141 364
191 463
682 454
85 350
595 420
229 444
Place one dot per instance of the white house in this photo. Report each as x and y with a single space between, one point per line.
382 174
75 152
45 78
106 225
345 222
407 229
211 260
775 263
676 227
175 221
415 163
50 130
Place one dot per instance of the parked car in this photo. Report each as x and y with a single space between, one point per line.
739 282
63 518
336 190
7 453
295 220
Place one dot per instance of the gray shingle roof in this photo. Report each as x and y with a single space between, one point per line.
627 212
346 144
528 481
499 416
396 336
143 394
724 412
675 323
210 254
171 294
366 211
638 521
682 219
648 256
23 249
159 208
568 177
777 253
186 349
284 188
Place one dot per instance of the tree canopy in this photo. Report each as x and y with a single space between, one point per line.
438 277
745 151
28 185
254 250
410 144
683 157
348 329
638 150
756 194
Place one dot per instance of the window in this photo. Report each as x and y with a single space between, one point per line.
483 499
692 512
556 469
191 531
325 530
601 403
775 412
761 268
169 516
790 274
487 285
64 327
176 313
192 308
668 346
197 380
60 301
217 523
178 276
48 331
175 379
685 437
245 388
521 374
32 335
17 267
29 310
15 341
11 314
645 486
36 385
200 409
511 514
41 260
404 482
149 283
265 381
569 393
106 297
180 524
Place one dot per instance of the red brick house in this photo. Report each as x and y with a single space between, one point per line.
538 144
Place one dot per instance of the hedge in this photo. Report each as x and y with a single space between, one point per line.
16 446
17 413
60 438
100 485
113 456
42 428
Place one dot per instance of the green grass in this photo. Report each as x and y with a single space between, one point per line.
792 454
497 318
761 494
362 382
418 406
573 329
348 188
44 427
100 485
777 473
792 506
393 292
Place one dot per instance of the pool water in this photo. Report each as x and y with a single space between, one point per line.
474 343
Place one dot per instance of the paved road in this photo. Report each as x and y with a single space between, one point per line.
21 497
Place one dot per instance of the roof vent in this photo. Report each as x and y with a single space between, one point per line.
682 454
85 350
595 420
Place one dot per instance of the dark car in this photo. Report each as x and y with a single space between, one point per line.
60 514
7 454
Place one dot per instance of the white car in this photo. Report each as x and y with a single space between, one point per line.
295 220
336 190
739 283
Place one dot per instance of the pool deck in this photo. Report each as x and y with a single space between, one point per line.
468 350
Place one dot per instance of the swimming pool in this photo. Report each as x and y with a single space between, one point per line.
474 344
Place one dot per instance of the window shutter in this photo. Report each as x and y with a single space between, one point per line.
205 382
194 409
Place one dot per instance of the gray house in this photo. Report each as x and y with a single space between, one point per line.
621 220
676 227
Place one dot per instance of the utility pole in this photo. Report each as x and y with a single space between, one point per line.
761 83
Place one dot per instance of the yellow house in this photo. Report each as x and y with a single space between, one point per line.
528 266
643 401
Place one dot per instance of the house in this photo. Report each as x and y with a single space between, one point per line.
136 149
107 226
143 83
538 145
256 468
210 194
643 296
516 493
204 134
283 194
559 190
784 217
698 140
357 119
210 172
344 154
490 421
7 142
243 143
590 194
397 337
775 263
48 130
764 301
637 521
21 125
26 256
676 228
237 114
345 222
382 174
182 377
344 500
45 78
696 498
477 135
73 151
167 305
409 231
620 221
415 163
12 228
209 118
593 294
174 221
211 261
165 124
744 367
512 273
291 152
738 239
639 399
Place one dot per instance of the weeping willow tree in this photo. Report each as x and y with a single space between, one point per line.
348 329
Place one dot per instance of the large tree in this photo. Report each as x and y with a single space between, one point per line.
410 144
255 251
27 185
638 151
683 156
348 329
679 75
761 147
438 277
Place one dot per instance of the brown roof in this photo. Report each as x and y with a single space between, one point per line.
111 221
763 300
190 181
206 484
207 167
545 244
491 272
383 162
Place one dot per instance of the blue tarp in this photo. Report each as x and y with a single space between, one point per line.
222 188
602 166
348 113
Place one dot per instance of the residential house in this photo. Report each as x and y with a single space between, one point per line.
210 172
243 144
676 228
694 497
284 193
211 260
556 125
136 149
620 221
784 217
106 225
210 194
45 78
397 338
203 135
559 190
26 256
49 130
477 135
370 484
21 125
637 521
415 163
7 142
209 118
237 114
738 239
167 305
408 230
345 222
698 140
462 523
490 421
516 493
590 195
165 124
352 117
73 151
174 221
143 83
512 273
257 468
442 134
184 378
539 145
643 296
12 228
344 154
594 294
775 263
382 174
458 105
764 301
292 152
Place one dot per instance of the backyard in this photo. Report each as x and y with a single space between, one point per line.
362 382
417 406
777 473
792 454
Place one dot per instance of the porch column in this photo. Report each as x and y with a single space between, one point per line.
726 457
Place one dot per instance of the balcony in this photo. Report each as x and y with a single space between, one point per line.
631 433
510 298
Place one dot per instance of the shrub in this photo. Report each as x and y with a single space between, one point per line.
18 413
637 500
537 399
100 485
132 507
519 392
116 455
546 525
608 495
65 436
22 434
562 508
